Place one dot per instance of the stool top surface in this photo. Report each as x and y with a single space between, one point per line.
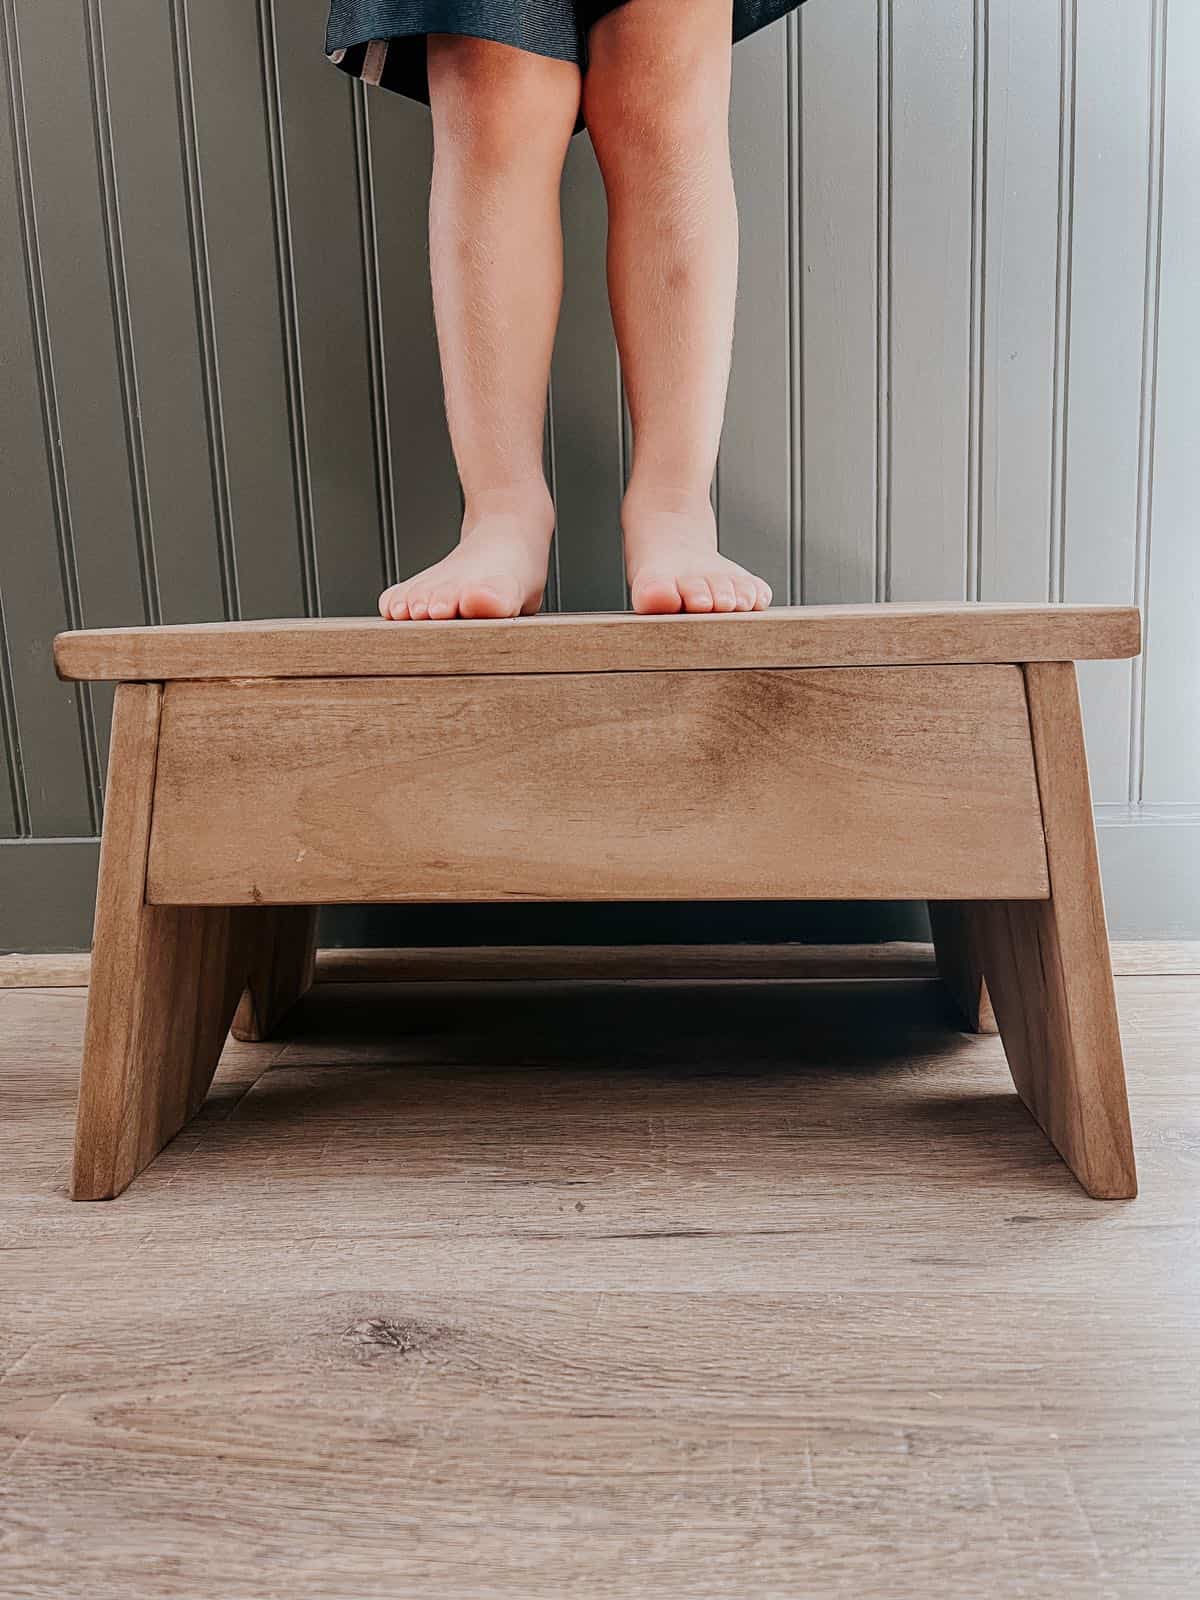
892 634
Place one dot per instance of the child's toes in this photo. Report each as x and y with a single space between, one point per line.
443 602
723 593
418 604
763 595
746 591
490 597
697 596
655 594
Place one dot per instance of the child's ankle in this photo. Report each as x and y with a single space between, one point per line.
527 497
647 498
496 500
658 514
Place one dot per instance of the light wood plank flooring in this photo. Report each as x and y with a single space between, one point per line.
544 1291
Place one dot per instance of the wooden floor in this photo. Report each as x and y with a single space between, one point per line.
522 1290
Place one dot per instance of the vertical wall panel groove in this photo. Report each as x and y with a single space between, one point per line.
625 435
883 315
114 244
210 368
930 143
795 311
977 353
285 267
1062 298
624 431
1171 682
839 300
754 500
1108 289
16 821
552 600
1019 247
1147 415
381 433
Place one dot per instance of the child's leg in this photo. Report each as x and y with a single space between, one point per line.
656 99
502 121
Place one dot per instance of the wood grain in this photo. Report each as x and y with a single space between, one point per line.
517 1293
799 636
861 783
281 949
960 963
1047 963
164 982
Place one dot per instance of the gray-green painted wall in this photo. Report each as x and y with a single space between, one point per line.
966 363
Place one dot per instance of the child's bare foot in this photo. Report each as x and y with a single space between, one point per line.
498 568
672 561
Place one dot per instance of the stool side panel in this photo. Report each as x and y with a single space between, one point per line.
164 981
119 945
1049 969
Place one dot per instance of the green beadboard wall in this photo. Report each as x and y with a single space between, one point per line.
966 366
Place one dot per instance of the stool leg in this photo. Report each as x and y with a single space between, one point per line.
960 962
1048 966
164 980
282 947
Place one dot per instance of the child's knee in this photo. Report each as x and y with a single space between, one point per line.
663 117
494 103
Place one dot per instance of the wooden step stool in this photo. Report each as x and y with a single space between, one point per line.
261 769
